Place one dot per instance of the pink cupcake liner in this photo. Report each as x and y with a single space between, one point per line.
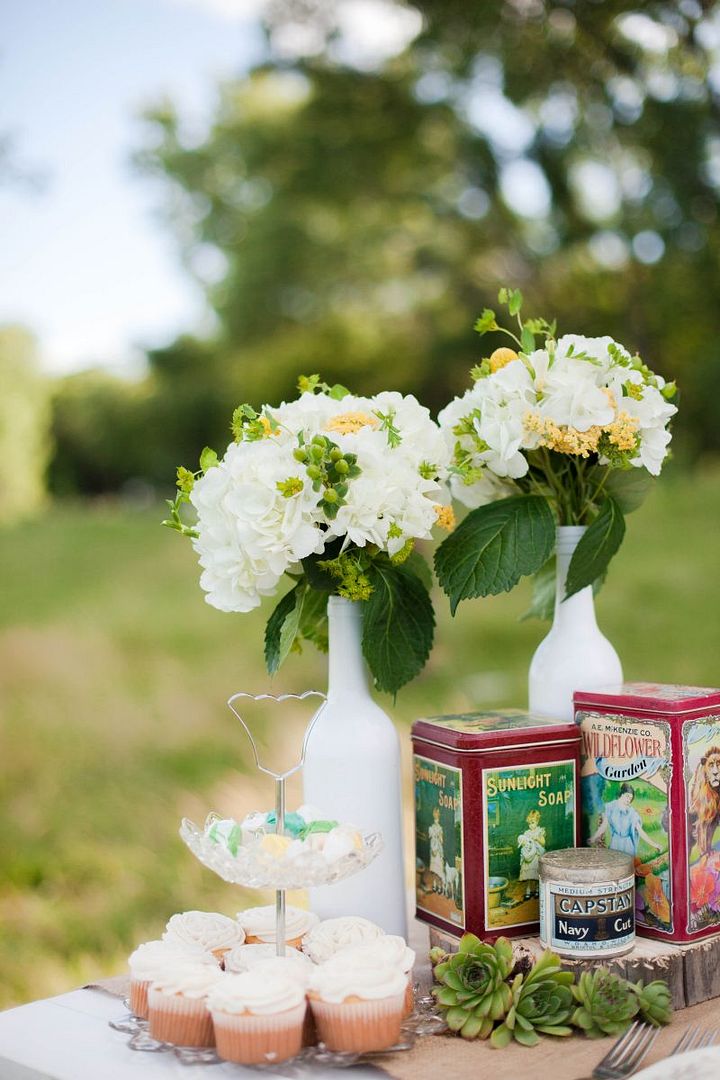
247 1039
179 1020
139 997
359 1026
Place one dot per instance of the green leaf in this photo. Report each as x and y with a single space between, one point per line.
485 322
515 301
455 1018
282 627
313 619
542 605
527 340
398 625
526 1038
501 1037
419 566
208 459
596 548
629 487
494 546
337 392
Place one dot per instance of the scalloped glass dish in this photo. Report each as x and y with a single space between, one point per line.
259 869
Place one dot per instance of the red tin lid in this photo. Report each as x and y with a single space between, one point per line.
493 730
650 697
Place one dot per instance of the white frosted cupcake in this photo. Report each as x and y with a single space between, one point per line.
217 933
358 1007
258 1017
150 959
177 1003
332 935
259 925
264 957
389 950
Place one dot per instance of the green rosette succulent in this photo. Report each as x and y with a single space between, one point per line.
606 1005
655 1002
542 1001
472 989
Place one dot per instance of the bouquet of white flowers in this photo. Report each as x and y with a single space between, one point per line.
568 434
331 490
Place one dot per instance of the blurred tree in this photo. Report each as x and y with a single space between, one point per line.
352 217
24 425
350 211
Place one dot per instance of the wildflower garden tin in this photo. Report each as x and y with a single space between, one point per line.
493 792
651 788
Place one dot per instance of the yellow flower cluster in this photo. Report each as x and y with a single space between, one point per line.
350 423
565 440
445 517
623 431
568 440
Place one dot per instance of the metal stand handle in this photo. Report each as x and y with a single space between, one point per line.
280 778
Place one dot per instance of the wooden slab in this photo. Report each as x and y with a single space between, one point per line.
691 971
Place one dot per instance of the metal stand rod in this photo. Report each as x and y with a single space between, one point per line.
280 893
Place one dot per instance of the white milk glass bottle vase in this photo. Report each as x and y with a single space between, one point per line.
353 773
575 655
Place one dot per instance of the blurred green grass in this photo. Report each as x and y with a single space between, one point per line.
114 675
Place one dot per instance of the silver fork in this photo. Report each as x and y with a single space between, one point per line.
694 1038
625 1055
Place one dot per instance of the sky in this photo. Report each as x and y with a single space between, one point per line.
85 261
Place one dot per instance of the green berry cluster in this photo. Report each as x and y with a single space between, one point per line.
329 471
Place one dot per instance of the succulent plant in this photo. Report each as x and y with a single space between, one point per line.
655 1002
542 1001
473 991
606 1003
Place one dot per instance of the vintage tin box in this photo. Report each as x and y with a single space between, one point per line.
493 792
651 787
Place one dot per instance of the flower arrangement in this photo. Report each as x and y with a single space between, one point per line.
571 433
331 491
485 994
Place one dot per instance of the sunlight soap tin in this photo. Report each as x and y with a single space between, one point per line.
493 792
651 788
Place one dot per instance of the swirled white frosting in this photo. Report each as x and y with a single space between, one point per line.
262 994
206 928
247 957
292 966
339 979
331 935
182 976
260 922
389 949
151 958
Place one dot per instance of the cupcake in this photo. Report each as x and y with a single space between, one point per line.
149 960
258 1017
331 935
177 1003
259 925
217 933
389 950
249 957
358 1007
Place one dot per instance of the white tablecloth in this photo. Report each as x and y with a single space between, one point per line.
68 1038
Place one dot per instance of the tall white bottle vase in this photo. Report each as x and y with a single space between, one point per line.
575 655
353 773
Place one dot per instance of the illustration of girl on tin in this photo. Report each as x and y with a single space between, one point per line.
437 846
532 845
623 821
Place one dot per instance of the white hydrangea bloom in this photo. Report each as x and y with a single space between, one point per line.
249 532
568 397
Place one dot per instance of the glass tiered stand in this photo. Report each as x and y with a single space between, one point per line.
256 868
